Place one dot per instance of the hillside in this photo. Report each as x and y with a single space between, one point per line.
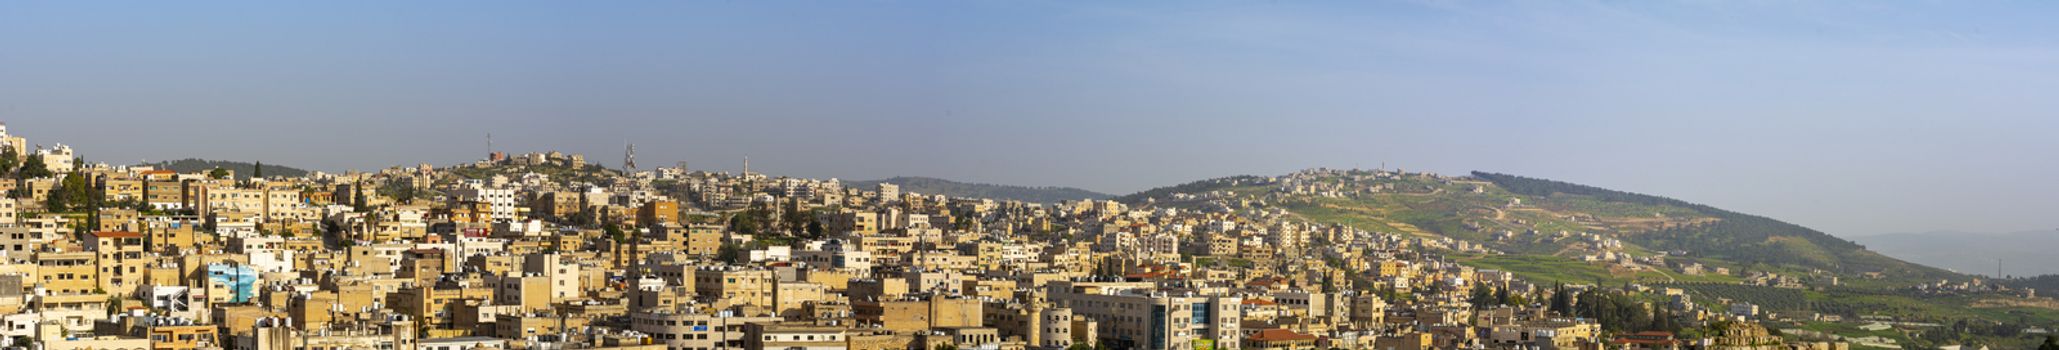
928 185
1733 236
243 170
1538 223
1552 232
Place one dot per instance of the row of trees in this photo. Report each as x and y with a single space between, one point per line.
19 167
790 219
1484 296
12 163
1615 311
1768 298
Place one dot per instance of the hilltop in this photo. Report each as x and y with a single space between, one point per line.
930 185
556 169
243 170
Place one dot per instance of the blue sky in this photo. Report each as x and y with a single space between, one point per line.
1856 117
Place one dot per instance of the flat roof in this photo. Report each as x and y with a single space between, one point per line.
117 234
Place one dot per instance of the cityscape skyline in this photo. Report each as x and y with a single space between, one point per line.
1803 111
1012 175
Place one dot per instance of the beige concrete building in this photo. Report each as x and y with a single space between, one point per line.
119 257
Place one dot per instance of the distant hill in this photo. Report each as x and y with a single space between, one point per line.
243 170
929 185
2027 253
2044 284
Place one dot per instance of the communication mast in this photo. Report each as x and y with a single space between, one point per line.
629 159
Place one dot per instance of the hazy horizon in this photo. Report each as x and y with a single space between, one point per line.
1855 118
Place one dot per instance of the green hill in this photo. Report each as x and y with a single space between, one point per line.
928 185
1733 236
1535 221
243 170
1557 232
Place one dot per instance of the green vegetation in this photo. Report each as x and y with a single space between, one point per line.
1848 329
1602 207
74 194
1767 298
9 160
1539 228
243 170
1545 268
2041 282
1616 311
1734 236
33 167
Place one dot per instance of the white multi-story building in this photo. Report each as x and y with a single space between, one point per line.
500 201
58 159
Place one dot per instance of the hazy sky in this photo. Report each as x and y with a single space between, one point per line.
1855 117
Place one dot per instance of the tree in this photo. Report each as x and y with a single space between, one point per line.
34 168
333 232
218 173
584 218
1562 301
752 221
9 160
2051 343
1663 320
73 193
1482 296
357 195
795 218
728 252
615 233
258 171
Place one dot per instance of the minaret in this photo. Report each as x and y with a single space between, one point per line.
747 165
